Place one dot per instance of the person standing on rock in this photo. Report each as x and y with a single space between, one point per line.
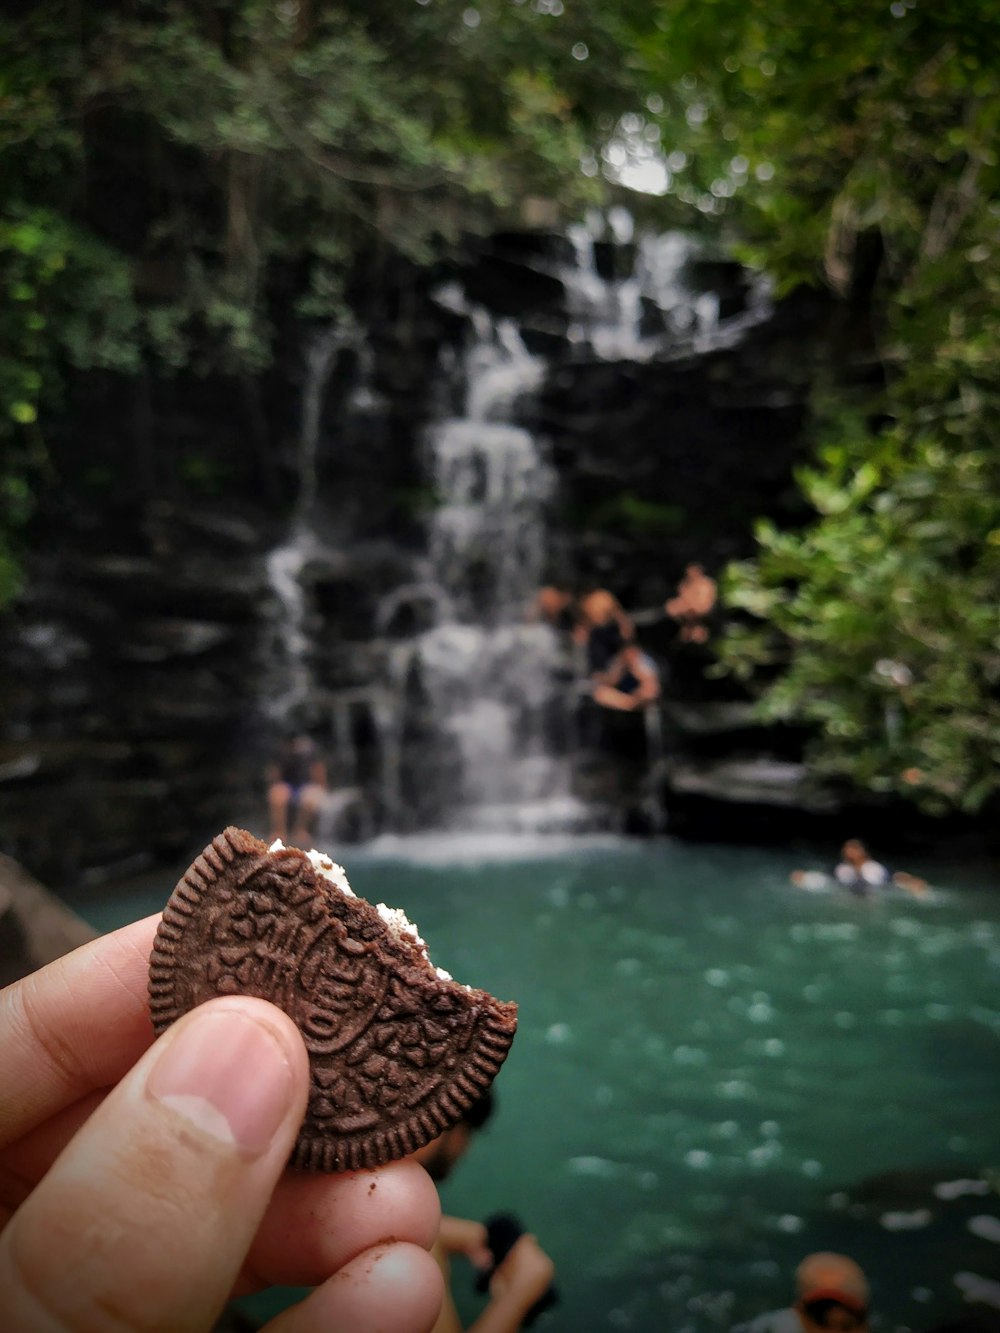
695 600
603 627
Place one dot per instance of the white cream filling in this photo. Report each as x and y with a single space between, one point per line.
323 865
395 918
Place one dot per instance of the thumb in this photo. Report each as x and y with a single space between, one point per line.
143 1221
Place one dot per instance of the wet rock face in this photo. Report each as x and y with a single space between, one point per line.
135 669
131 687
124 677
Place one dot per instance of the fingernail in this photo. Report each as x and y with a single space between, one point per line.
228 1076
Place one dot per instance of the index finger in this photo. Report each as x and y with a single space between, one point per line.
78 1024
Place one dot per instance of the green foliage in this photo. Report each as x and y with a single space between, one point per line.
178 177
66 299
203 474
626 511
855 148
317 136
885 617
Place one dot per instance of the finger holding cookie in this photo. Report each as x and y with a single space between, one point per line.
136 1207
317 1223
142 1182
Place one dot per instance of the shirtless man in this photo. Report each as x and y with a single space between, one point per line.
696 597
525 1274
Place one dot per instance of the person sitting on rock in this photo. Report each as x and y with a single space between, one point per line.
695 600
630 682
296 782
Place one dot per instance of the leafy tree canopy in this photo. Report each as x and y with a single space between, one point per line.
175 172
855 147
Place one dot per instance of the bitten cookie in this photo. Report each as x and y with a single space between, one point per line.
397 1049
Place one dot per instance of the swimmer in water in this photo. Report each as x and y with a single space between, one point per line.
859 873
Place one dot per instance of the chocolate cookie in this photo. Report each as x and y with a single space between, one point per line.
397 1050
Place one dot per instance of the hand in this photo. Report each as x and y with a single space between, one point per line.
142 1183
911 883
524 1276
459 1235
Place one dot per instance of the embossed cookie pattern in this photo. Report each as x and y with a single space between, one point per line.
396 1054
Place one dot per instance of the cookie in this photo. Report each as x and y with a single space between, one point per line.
397 1049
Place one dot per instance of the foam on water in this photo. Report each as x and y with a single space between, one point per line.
448 848
912 1221
986 1226
593 1166
955 1189
976 1288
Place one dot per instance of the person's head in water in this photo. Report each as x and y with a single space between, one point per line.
442 1155
831 1294
854 853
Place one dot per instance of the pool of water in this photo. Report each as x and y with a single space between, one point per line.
716 1073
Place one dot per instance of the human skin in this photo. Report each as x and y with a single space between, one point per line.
608 695
143 1183
520 1281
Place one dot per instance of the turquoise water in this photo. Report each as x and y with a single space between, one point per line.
716 1073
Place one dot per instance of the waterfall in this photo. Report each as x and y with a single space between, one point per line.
489 677
321 357
492 484
289 681
471 704
655 310
488 674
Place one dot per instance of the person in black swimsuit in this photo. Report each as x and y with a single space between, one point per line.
630 682
604 627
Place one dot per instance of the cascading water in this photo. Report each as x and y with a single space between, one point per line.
290 682
473 707
653 311
491 482
497 726
489 676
